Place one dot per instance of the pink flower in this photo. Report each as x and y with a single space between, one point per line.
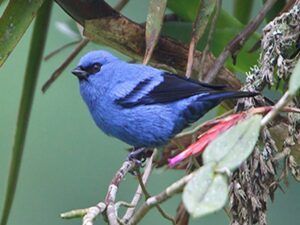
205 138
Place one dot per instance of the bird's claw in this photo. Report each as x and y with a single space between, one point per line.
138 156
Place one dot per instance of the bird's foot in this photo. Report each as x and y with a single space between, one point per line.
139 156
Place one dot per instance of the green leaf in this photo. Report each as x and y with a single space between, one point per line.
187 9
275 10
14 22
34 60
234 146
205 10
153 25
206 192
294 83
242 10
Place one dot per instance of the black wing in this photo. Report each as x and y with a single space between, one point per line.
172 88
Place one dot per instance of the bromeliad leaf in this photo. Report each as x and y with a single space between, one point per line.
294 83
206 192
13 24
187 9
205 9
30 79
232 147
153 25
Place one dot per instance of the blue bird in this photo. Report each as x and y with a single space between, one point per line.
141 105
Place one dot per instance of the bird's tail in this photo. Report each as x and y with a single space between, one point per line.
206 102
228 94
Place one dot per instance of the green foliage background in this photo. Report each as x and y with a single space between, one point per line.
68 163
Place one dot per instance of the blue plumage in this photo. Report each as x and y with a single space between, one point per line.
141 105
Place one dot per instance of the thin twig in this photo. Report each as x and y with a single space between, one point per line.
58 50
157 199
74 213
113 189
88 214
138 193
237 43
141 183
209 38
147 196
63 66
189 65
92 213
277 108
124 204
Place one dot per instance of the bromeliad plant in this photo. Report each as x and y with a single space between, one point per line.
240 151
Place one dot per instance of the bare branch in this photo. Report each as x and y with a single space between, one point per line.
113 189
148 169
157 199
279 105
92 213
147 195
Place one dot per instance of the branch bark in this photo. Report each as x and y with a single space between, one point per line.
161 197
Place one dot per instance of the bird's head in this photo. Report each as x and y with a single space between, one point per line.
91 63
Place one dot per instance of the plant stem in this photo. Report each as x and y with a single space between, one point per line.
276 109
37 45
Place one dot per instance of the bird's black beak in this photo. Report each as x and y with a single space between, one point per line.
80 73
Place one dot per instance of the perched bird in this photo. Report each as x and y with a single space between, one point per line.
141 105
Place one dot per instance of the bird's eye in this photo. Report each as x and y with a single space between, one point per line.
95 67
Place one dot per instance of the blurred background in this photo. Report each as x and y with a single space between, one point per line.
68 162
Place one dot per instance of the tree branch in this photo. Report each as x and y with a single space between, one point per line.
113 189
138 194
284 100
157 199
147 196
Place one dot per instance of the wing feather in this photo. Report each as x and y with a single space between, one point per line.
171 88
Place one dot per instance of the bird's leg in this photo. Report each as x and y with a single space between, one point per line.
137 154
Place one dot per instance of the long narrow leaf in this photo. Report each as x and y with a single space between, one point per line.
32 69
14 22
242 10
205 10
153 25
